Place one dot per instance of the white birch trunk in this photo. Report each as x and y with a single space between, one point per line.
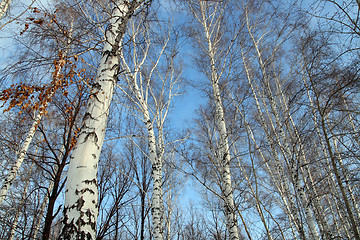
224 151
4 5
344 223
319 213
333 160
157 205
139 90
155 155
255 192
81 194
346 178
20 158
225 158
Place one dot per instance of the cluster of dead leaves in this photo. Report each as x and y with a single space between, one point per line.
47 18
36 98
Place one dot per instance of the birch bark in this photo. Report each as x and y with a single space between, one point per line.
21 156
151 89
334 161
4 5
155 157
211 32
279 129
81 194
344 223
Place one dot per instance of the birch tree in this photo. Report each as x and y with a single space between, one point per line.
210 17
150 82
326 110
81 194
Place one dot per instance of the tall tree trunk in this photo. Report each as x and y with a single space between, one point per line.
254 192
333 161
224 150
281 138
306 172
157 204
225 158
344 223
155 141
81 194
54 192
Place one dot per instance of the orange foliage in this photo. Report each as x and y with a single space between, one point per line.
32 97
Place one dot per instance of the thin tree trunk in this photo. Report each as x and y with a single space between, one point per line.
54 191
346 177
40 214
333 161
327 166
157 204
255 192
20 158
278 168
319 213
142 211
155 143
283 143
224 150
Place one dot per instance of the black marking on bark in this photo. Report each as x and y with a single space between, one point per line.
82 191
116 66
88 116
93 155
96 86
91 134
80 203
106 53
69 228
93 181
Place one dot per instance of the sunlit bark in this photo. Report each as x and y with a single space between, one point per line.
81 194
4 5
151 107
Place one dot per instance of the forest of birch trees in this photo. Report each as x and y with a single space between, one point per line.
180 119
